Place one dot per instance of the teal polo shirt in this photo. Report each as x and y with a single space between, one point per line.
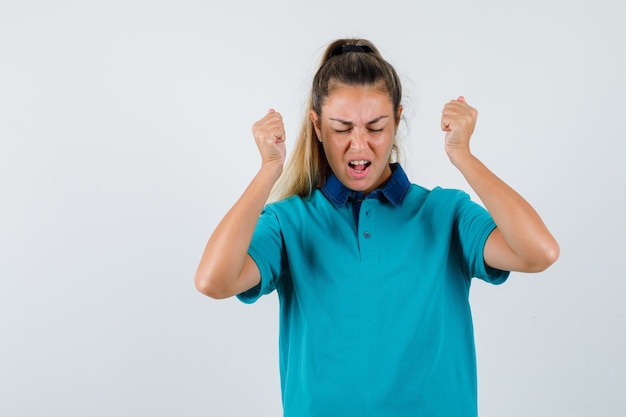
374 312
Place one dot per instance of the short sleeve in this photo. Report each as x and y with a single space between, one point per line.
474 224
268 252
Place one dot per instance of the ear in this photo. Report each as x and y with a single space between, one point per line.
315 120
399 116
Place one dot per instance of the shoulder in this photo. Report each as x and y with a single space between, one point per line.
436 195
439 204
296 206
293 201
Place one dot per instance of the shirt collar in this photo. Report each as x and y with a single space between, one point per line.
393 190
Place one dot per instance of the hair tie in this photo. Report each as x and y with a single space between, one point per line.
342 49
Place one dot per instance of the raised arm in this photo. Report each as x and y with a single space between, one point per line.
225 268
521 241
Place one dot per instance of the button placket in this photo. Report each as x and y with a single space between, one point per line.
366 229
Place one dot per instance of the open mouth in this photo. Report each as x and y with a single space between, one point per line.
359 166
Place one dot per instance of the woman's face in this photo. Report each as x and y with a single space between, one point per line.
357 128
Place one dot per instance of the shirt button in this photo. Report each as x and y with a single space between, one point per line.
367 235
352 194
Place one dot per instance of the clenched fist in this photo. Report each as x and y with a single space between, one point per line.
458 120
269 134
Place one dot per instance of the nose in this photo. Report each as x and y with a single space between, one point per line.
358 141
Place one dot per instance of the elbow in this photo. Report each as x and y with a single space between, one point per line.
548 256
555 252
210 287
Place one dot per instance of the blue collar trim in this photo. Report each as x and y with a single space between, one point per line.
393 190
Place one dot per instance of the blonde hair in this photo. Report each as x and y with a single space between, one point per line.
353 62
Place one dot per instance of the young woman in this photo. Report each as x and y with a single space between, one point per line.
372 272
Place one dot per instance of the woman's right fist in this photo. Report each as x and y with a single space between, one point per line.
269 135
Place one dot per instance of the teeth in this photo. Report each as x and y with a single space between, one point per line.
362 162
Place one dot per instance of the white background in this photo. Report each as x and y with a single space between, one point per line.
125 137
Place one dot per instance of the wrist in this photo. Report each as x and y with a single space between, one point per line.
460 157
271 170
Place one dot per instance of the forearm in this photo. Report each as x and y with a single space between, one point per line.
533 247
226 251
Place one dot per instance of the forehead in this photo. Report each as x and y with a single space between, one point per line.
356 102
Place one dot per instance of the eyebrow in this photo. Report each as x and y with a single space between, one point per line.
349 123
